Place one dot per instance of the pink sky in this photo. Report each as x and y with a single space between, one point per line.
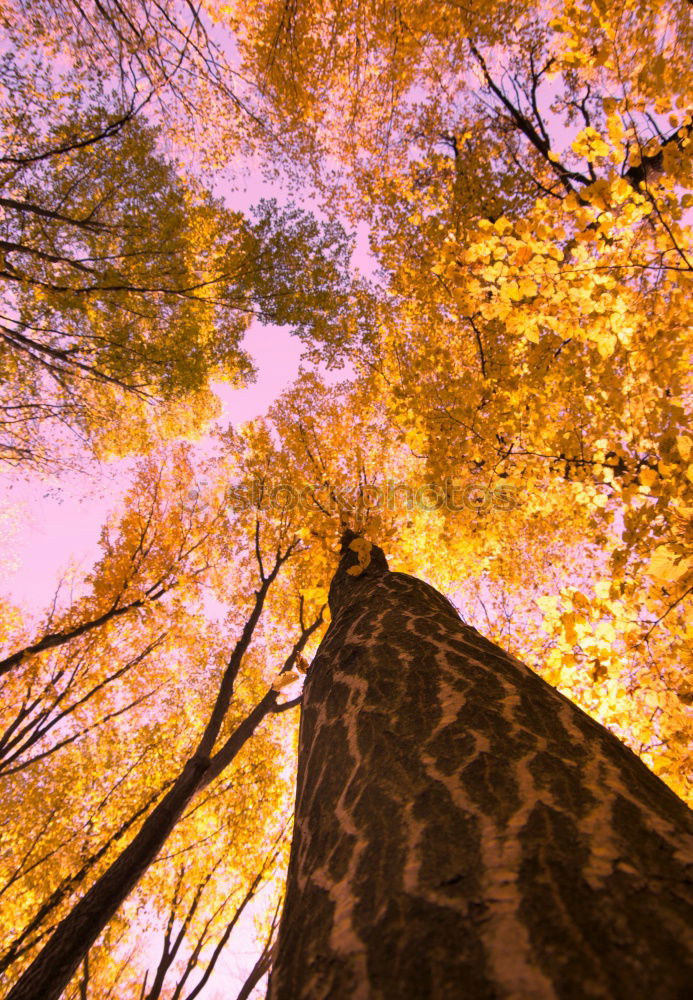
53 522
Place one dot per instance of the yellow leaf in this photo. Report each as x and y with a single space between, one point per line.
648 477
664 567
606 344
283 680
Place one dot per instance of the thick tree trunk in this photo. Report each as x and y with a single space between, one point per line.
463 830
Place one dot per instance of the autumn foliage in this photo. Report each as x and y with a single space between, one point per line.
520 329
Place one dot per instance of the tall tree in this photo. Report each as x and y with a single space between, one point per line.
464 830
98 728
525 172
211 754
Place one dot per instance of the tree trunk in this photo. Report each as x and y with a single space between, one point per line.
463 830
51 971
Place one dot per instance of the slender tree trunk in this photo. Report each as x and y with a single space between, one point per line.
52 969
463 830
56 963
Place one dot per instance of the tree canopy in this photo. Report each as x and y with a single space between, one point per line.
512 420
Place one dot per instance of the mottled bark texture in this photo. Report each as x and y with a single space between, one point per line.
463 830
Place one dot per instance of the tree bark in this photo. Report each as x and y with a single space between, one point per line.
463 830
